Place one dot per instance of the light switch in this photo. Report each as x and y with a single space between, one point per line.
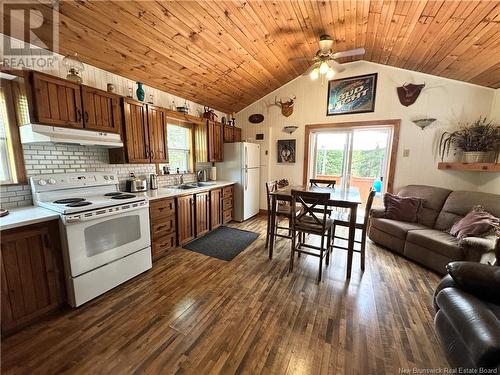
406 152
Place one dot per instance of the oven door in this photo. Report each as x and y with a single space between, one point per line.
94 243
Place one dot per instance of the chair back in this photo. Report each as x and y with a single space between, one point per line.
318 182
271 186
368 207
314 208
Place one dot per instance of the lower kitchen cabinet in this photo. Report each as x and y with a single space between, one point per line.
227 204
185 219
32 274
215 208
202 213
163 226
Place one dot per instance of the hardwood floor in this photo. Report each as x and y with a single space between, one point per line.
194 314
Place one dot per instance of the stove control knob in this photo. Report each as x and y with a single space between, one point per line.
106 177
42 182
112 177
52 181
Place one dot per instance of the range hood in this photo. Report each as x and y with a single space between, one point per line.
34 133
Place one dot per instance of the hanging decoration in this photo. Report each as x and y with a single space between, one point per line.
423 122
408 93
286 106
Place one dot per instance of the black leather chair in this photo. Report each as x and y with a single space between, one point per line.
467 304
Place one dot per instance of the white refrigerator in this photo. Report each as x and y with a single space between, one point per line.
242 164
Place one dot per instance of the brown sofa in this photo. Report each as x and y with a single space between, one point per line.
427 241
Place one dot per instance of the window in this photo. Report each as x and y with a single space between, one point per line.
11 163
179 147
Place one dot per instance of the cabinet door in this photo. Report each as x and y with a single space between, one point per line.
31 271
202 212
237 134
215 208
157 136
185 216
219 141
212 148
101 110
136 134
57 102
228 134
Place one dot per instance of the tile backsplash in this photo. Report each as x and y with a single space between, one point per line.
61 158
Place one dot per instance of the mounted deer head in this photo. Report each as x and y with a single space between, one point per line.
286 107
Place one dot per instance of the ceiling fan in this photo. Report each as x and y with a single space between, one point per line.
323 63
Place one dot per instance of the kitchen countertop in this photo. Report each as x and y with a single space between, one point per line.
22 216
172 193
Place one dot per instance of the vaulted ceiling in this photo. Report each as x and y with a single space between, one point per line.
227 54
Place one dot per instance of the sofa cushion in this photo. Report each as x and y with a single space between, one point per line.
402 208
459 203
481 280
440 242
396 228
434 199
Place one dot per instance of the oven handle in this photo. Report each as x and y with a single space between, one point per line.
104 212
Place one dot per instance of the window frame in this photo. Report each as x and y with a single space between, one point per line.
16 149
189 126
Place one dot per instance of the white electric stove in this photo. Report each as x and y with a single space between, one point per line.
105 233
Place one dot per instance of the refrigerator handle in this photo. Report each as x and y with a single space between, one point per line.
246 178
246 157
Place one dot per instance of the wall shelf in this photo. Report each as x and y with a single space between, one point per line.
479 167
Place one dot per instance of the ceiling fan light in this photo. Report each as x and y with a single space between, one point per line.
314 75
330 74
323 68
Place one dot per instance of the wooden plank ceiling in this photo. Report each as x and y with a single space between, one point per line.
227 54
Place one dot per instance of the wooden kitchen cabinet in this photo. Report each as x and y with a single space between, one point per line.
227 204
163 226
144 135
202 213
209 142
101 110
32 274
185 219
215 208
232 134
157 135
56 101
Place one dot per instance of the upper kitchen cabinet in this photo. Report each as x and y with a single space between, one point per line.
101 110
59 102
157 137
144 135
232 134
209 142
56 101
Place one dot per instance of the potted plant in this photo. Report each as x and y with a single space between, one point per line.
479 141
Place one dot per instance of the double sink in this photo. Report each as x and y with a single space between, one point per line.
193 185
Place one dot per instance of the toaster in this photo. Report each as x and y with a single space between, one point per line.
135 184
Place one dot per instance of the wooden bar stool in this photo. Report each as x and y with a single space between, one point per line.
282 211
342 219
310 221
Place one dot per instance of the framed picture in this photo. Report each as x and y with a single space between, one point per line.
286 151
351 95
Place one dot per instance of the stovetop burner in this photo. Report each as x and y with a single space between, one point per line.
112 194
123 196
69 200
79 204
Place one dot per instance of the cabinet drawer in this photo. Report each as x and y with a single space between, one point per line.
162 208
227 216
227 191
227 203
162 245
163 226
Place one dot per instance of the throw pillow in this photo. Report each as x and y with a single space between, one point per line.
476 223
402 208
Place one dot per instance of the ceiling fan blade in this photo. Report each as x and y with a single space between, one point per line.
315 65
351 52
337 67
302 58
